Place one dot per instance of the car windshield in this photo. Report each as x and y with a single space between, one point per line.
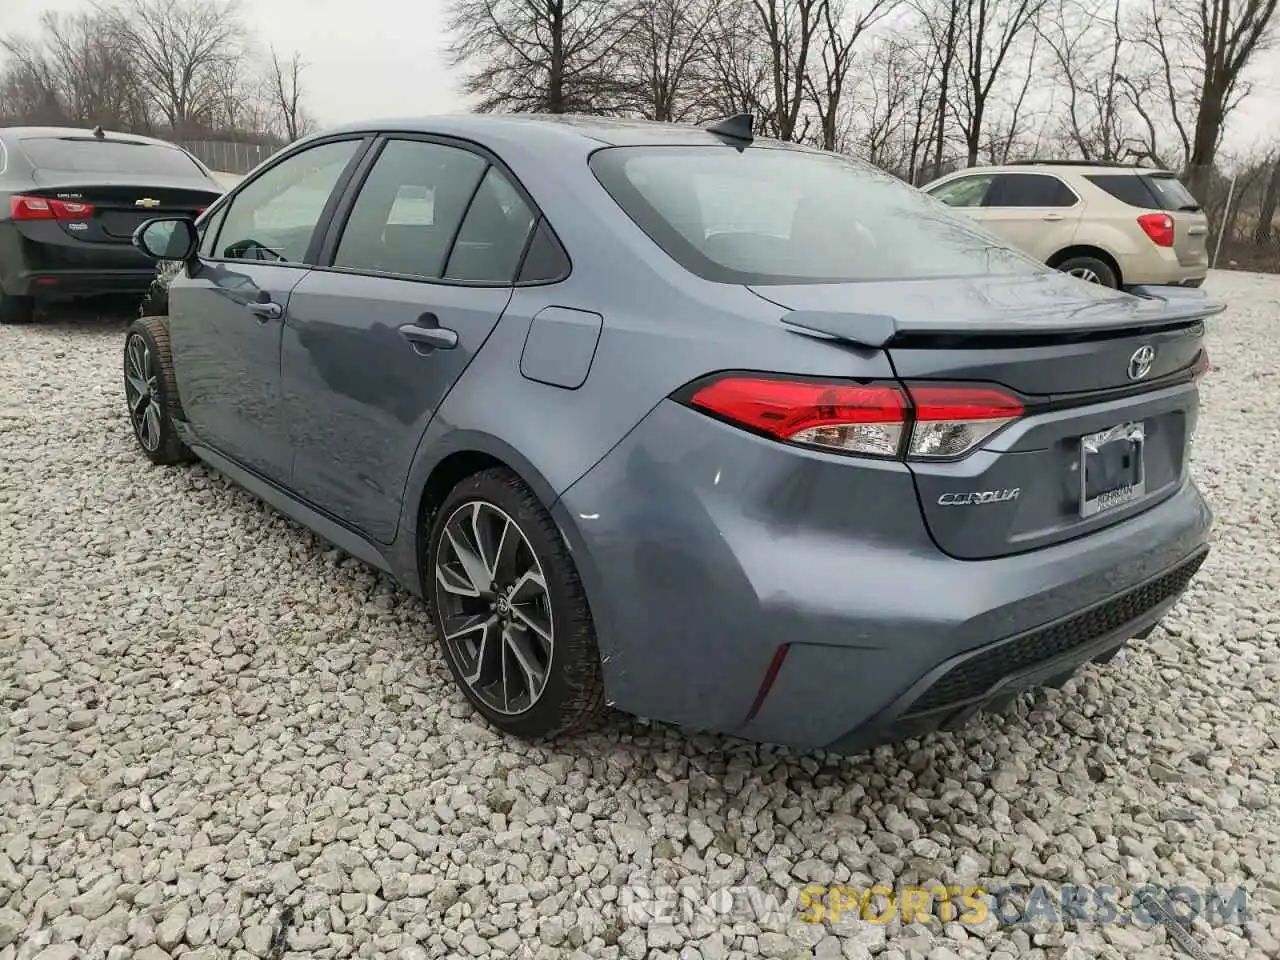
766 215
88 155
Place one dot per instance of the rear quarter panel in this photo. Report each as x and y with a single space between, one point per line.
661 328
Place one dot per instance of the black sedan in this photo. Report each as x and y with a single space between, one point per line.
70 201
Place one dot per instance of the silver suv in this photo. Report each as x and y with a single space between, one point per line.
1110 224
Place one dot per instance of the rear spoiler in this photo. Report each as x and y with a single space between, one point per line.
1162 307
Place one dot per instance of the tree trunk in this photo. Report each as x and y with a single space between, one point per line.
1264 233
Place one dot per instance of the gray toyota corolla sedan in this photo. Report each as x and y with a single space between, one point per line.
736 434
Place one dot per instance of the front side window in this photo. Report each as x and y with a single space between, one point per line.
768 215
965 192
273 217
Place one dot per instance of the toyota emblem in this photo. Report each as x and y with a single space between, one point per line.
1141 361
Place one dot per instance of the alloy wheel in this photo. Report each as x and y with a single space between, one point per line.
142 393
1084 273
495 612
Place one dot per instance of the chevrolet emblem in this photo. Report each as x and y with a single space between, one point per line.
147 202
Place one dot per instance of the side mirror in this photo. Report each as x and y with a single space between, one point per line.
167 239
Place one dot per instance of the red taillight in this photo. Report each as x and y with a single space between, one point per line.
839 416
44 208
1202 366
200 210
936 422
1159 227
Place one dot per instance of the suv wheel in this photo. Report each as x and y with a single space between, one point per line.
16 309
510 611
151 391
1090 269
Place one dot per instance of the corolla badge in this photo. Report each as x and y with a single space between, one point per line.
1141 361
976 497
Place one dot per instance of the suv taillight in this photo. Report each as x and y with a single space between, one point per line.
43 208
1159 227
922 421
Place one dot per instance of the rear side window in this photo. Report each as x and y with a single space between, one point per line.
493 235
769 215
409 209
89 155
1124 187
1029 190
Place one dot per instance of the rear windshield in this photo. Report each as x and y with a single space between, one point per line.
87 155
765 215
1149 191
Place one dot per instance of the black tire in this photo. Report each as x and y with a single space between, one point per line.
146 344
572 697
14 310
1089 268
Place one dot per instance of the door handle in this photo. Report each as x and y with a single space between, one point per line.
1053 217
427 334
265 310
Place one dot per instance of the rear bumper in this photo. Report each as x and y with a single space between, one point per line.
42 260
704 550
1161 267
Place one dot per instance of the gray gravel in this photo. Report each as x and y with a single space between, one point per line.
211 721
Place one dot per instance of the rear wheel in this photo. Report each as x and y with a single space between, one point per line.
16 309
1091 270
510 610
151 391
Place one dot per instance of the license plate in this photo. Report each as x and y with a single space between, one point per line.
1111 469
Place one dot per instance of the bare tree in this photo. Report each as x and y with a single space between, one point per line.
739 68
667 57
942 21
788 29
1203 49
839 33
1264 232
990 30
180 47
285 82
553 56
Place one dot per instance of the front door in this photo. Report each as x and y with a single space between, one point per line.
227 313
418 279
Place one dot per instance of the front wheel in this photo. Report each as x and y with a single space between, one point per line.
510 611
151 391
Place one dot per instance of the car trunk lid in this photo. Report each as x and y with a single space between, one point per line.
111 212
1106 379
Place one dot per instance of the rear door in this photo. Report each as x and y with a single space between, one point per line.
417 273
227 315
1037 212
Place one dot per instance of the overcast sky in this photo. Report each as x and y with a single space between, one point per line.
375 58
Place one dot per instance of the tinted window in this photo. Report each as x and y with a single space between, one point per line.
546 259
1124 187
409 209
765 215
1030 190
89 155
274 216
1171 193
965 192
493 235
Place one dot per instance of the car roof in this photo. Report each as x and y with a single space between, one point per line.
1063 168
551 128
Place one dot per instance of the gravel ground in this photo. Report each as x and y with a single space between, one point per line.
222 738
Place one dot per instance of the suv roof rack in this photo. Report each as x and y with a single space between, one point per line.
1078 163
